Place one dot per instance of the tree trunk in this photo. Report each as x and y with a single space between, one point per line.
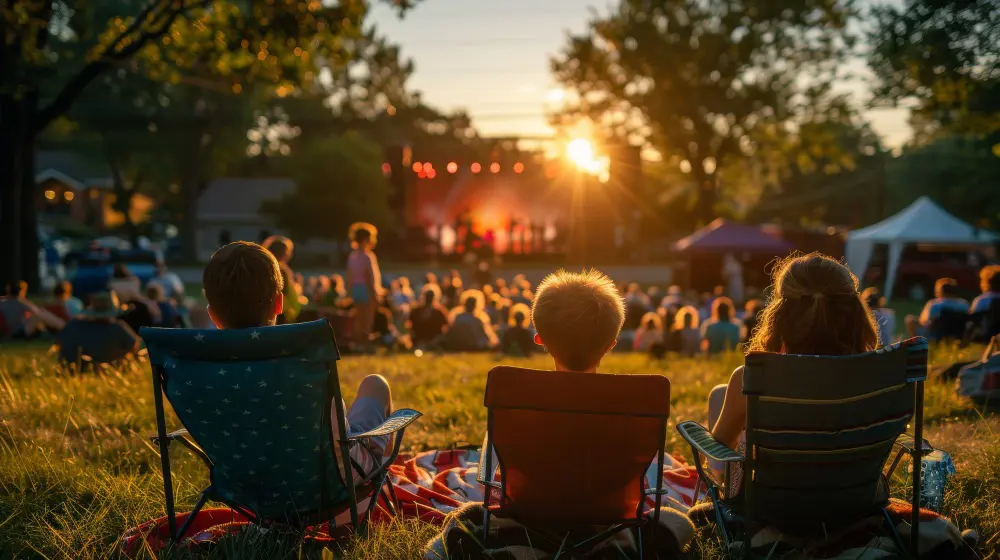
708 194
13 130
29 214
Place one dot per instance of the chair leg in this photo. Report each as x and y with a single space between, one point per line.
894 534
638 538
720 522
190 518
392 492
486 524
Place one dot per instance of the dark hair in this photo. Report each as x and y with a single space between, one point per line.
945 287
62 289
16 289
361 232
990 278
873 298
279 246
815 308
519 317
471 303
242 282
722 309
121 271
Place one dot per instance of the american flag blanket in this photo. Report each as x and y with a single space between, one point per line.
428 486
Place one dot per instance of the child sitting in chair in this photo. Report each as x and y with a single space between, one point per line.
244 286
815 310
577 317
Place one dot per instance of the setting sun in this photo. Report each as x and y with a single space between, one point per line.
580 151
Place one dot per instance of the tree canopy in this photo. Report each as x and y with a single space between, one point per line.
942 55
700 82
52 50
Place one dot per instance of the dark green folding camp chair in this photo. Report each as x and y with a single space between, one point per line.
819 432
255 404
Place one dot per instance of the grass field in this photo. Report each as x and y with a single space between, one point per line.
76 470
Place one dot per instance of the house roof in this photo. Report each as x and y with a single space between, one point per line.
725 236
71 169
240 198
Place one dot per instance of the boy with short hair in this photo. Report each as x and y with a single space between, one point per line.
577 317
244 285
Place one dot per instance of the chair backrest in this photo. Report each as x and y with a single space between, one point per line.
258 402
819 431
574 448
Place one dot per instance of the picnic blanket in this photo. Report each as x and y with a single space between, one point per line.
510 540
428 486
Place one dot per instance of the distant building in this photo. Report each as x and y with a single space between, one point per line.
229 210
75 190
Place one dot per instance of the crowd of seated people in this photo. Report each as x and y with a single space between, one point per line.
950 317
101 329
441 314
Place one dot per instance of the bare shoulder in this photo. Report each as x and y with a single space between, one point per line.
737 377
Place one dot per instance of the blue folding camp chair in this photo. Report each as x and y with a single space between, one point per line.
255 404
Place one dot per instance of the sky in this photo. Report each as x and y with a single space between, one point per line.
491 58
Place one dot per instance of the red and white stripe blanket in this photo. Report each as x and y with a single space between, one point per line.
428 486
431 484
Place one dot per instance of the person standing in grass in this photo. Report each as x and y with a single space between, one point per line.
282 249
244 286
364 281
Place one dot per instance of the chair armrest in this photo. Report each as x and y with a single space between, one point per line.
397 421
701 439
180 436
907 444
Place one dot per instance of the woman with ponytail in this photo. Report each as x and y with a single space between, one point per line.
814 309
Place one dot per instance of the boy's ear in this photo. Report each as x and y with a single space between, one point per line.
215 320
538 340
279 304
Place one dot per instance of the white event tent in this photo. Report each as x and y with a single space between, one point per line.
922 222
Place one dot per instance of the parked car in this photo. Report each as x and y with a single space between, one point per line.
90 270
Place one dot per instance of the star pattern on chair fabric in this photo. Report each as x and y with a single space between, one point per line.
239 422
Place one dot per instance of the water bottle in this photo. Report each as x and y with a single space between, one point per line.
936 468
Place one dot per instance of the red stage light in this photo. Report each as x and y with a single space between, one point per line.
476 168
386 169
495 167
518 167
431 174
417 167
452 167
421 174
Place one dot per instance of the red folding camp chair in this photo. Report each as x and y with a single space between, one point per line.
611 426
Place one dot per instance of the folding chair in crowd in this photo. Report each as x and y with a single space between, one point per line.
255 405
819 432
573 449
